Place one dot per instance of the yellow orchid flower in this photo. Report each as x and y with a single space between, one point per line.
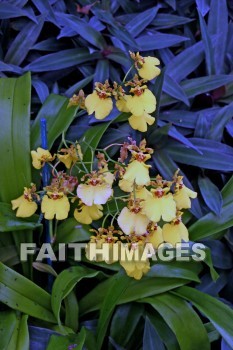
132 221
25 203
95 191
155 237
108 177
136 269
137 171
182 197
160 205
121 104
175 232
40 157
55 204
71 156
148 68
125 185
140 122
100 101
142 101
85 215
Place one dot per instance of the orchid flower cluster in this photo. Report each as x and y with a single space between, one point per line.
131 96
147 210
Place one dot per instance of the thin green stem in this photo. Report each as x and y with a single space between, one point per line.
127 73
104 220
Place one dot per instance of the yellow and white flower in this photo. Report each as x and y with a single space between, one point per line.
137 171
71 155
132 221
175 232
55 204
40 157
182 197
148 68
142 102
160 205
136 269
140 122
25 204
96 191
100 101
86 214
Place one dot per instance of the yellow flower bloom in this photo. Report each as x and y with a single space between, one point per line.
25 204
108 177
136 269
125 185
156 237
55 204
182 197
140 122
137 170
94 194
121 104
149 70
40 157
71 156
159 205
142 102
102 106
175 232
85 215
132 222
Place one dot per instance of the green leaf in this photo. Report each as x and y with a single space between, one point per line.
203 6
58 117
71 308
116 289
28 36
72 231
197 86
9 254
182 319
15 99
101 71
157 91
7 326
15 94
219 122
210 224
8 10
217 312
21 294
185 62
124 322
218 26
64 284
61 343
60 60
9 222
83 29
151 339
158 41
161 278
209 51
172 88
22 340
78 86
163 330
141 21
215 155
167 20
211 194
